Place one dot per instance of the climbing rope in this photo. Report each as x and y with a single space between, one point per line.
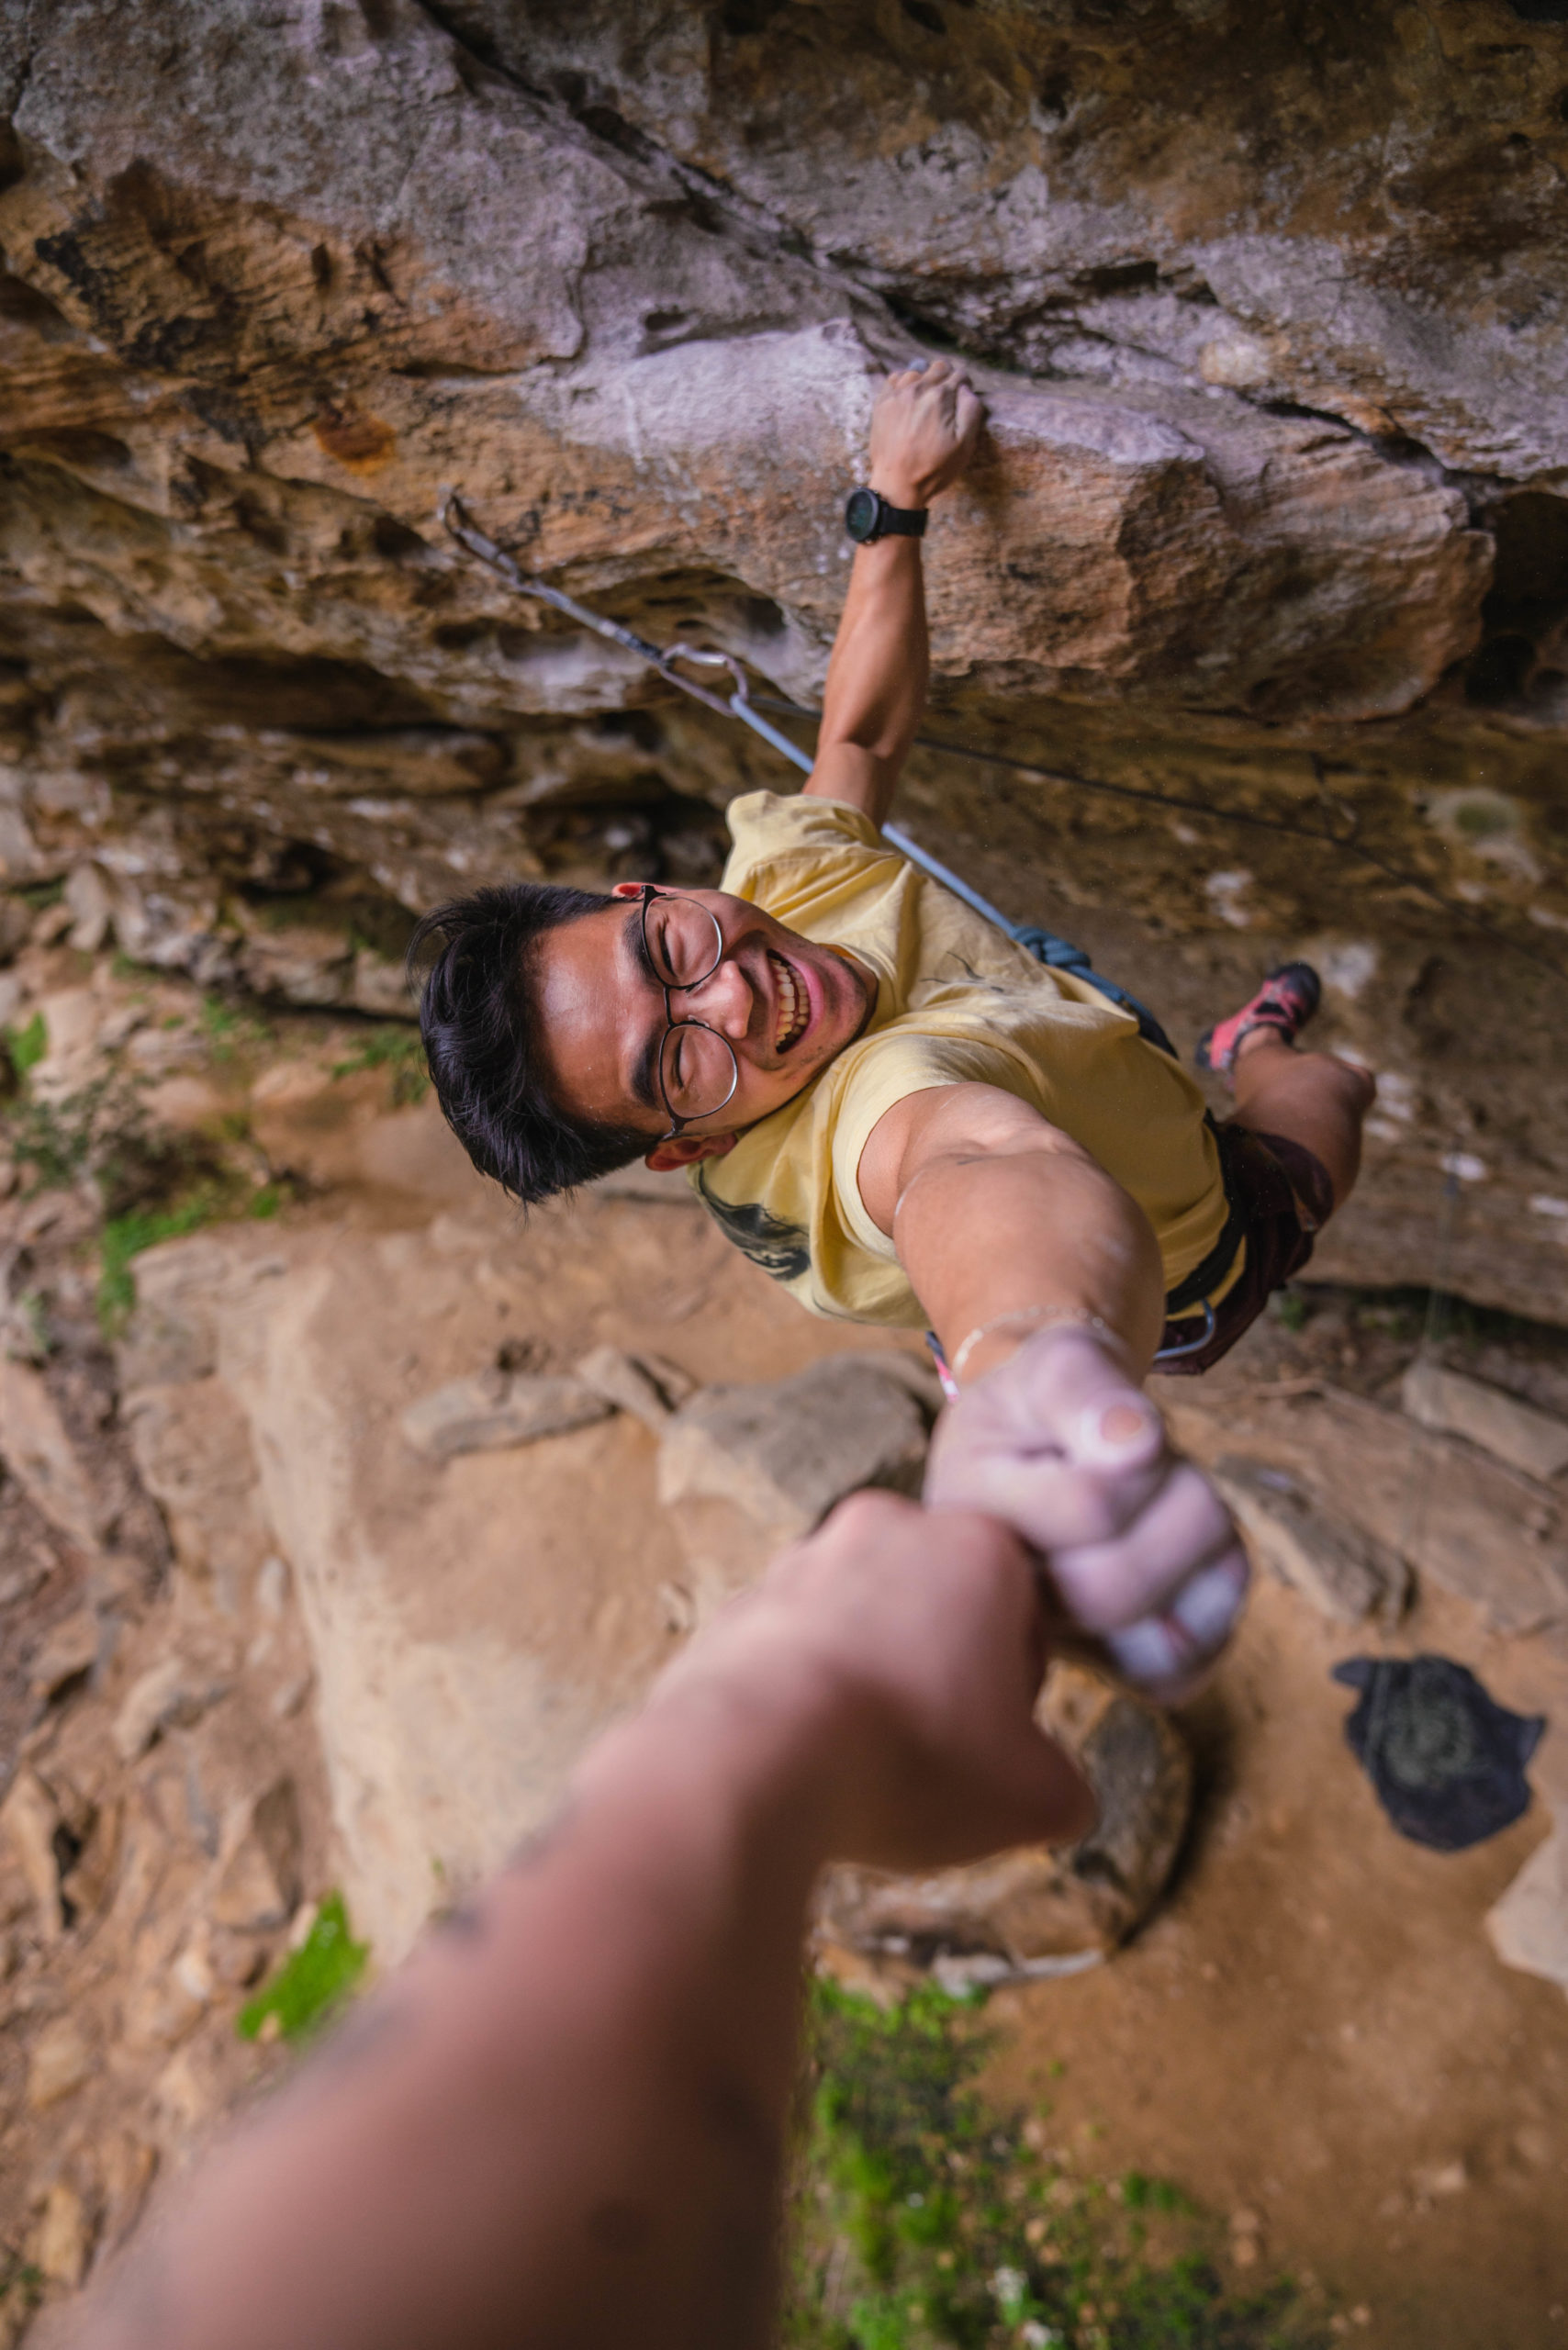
1344 841
1044 944
739 703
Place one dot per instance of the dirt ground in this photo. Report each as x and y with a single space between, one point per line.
1312 2032
1315 2029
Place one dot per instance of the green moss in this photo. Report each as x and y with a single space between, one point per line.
397 1049
21 2287
155 1184
57 1142
313 1981
123 1238
219 1023
360 921
28 1046
297 911
1289 1309
228 1028
921 2218
1141 2193
1406 1313
1483 819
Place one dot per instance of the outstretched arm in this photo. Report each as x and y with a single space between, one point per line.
994 1213
922 433
1043 1280
563 2124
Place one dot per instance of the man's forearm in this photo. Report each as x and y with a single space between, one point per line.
877 679
564 2122
996 1236
922 430
1044 1280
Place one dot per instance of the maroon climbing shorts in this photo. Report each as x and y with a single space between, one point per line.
1282 1194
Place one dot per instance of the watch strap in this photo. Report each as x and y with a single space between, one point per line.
889 522
901 522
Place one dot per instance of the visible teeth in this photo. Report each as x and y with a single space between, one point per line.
792 1004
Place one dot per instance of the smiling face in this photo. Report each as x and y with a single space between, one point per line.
784 1005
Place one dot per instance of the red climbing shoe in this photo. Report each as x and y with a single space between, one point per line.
1285 1001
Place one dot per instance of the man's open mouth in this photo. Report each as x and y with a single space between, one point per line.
794 1012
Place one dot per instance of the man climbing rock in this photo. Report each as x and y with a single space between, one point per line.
906 1119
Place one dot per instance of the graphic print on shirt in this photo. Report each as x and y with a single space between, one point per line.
780 1248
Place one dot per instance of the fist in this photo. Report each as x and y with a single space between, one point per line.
923 430
907 1648
1143 1564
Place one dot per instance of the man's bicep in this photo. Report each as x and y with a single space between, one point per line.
942 1120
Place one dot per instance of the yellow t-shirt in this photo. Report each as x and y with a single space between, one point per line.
956 1003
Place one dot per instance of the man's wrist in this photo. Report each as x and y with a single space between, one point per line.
759 1736
987 1347
899 490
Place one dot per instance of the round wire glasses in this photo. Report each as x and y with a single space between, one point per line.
698 1071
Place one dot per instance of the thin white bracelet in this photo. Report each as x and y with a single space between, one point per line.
1029 1314
933 1168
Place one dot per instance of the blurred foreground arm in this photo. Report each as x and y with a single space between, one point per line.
563 2123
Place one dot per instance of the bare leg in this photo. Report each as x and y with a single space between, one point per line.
1310 1098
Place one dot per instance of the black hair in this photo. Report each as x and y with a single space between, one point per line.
478 1020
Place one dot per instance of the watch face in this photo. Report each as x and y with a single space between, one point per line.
861 513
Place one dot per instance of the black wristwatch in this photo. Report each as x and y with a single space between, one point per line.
868 516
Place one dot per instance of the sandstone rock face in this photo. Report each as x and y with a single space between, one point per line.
30 1818
69 1653
785 1451
475 1612
168 1693
62 2062
63 2239
1530 1925
1369 1495
650 1390
491 1411
257 1882
1269 516
1516 1432
1331 1563
38 1451
1287 209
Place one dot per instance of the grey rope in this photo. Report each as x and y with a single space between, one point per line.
739 703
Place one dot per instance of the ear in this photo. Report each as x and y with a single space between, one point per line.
686 1150
627 889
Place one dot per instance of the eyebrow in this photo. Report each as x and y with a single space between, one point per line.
632 937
